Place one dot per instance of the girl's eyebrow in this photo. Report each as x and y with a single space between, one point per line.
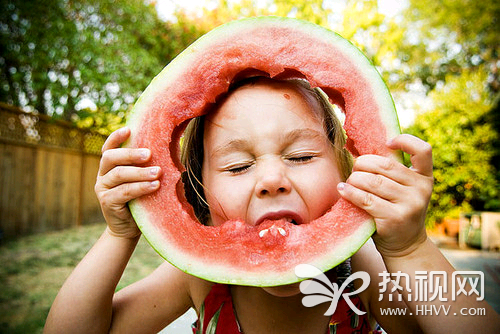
238 144
231 146
298 134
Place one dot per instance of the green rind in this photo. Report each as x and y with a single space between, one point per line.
174 70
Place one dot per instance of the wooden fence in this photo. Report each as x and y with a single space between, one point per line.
47 174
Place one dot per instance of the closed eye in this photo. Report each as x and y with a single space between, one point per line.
238 169
300 159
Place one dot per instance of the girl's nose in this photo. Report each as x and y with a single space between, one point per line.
272 181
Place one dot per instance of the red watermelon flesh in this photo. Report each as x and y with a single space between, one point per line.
235 252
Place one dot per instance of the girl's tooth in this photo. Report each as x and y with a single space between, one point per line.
274 231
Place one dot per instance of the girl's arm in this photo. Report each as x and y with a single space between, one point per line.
368 259
397 197
86 302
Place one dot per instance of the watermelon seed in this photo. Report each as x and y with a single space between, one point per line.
281 231
263 232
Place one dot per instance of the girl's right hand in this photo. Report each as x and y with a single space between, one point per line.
121 179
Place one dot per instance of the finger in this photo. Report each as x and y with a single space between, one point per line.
367 201
377 185
419 150
121 157
116 138
385 166
126 192
127 174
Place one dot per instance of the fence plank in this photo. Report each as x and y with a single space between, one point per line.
91 210
47 174
41 187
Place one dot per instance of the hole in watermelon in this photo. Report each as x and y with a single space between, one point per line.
290 73
174 145
190 192
181 195
350 144
248 73
335 97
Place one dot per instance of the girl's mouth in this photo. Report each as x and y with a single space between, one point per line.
289 216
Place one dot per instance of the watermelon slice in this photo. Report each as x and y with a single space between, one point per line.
236 253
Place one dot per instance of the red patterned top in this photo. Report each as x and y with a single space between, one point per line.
217 315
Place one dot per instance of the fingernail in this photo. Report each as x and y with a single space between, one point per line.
123 130
144 153
154 171
341 186
154 184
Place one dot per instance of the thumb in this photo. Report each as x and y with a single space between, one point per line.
420 152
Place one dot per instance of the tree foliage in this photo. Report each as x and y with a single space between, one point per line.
454 53
449 36
462 135
225 11
61 56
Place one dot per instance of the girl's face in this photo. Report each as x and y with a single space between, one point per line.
267 156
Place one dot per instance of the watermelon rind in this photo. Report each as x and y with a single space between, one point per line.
166 222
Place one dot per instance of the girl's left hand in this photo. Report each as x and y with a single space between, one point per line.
394 195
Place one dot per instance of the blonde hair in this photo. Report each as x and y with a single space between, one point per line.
192 148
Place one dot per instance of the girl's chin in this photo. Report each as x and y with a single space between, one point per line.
283 290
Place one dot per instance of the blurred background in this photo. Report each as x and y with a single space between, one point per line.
71 70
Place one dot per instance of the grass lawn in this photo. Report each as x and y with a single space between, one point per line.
33 268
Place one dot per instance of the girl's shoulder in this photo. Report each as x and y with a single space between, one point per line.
165 293
174 280
198 290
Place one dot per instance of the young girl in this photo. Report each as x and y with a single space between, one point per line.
269 149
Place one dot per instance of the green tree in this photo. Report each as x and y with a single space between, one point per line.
458 128
57 54
377 35
225 11
451 48
449 36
